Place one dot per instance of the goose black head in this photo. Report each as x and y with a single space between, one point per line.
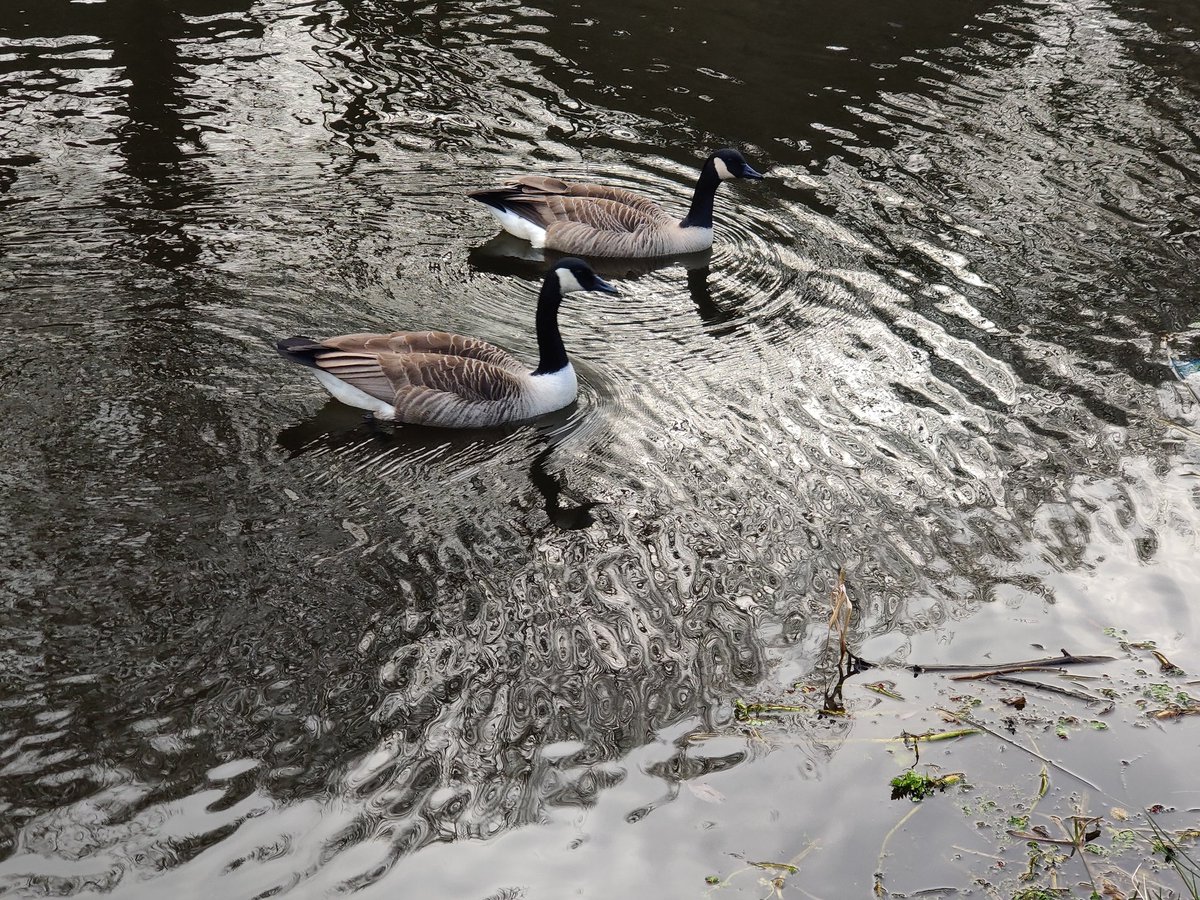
731 164
576 275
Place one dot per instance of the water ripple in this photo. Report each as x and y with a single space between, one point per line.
929 349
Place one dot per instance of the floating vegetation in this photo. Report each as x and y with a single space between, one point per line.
1170 848
1173 703
1116 856
884 689
787 867
747 712
916 787
1040 894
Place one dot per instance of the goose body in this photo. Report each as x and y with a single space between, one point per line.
449 380
600 221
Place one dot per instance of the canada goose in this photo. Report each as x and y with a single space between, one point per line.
593 220
435 378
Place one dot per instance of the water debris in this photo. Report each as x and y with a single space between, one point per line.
1170 424
916 787
748 712
787 867
1084 830
1168 667
1026 665
932 736
1176 712
1175 703
839 618
962 717
884 689
776 883
1186 370
1053 689
1167 846
705 792
847 663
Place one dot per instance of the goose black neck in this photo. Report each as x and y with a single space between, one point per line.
552 354
700 215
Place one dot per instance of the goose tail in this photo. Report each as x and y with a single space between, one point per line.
514 201
302 350
493 196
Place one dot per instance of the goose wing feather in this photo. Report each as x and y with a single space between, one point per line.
360 370
471 380
430 342
600 213
431 388
544 200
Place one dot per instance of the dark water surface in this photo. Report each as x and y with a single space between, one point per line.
250 646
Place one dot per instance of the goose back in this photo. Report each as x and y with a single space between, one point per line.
593 220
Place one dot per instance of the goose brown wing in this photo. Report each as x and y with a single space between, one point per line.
361 370
544 200
453 391
648 210
470 380
600 213
391 377
432 342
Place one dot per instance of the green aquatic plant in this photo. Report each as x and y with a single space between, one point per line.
917 787
1168 847
1039 893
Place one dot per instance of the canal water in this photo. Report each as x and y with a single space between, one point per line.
251 645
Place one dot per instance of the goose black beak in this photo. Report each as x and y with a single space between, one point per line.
602 285
750 173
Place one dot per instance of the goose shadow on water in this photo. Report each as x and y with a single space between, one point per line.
337 427
511 256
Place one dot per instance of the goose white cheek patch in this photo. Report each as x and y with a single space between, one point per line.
567 282
722 170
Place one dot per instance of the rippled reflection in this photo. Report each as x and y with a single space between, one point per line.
252 642
371 446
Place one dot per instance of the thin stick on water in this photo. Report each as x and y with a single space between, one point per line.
1066 659
967 720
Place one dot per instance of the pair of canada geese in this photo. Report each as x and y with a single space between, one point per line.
448 380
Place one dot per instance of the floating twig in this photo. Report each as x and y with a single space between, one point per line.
1166 665
1053 689
1177 425
932 736
1066 659
962 717
990 673
878 888
1039 837
787 867
884 689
